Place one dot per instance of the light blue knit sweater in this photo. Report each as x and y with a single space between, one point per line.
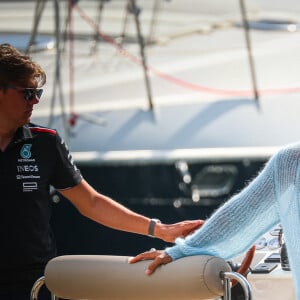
272 197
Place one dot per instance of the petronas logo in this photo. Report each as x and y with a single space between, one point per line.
25 151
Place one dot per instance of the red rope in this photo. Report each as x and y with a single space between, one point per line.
178 81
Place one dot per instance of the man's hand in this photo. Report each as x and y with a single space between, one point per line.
159 257
169 232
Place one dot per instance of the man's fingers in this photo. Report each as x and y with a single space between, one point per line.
193 227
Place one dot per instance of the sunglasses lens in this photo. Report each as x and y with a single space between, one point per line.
29 93
39 93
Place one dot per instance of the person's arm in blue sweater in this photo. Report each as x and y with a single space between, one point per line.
237 225
234 227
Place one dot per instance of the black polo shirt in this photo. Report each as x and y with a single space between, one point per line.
35 159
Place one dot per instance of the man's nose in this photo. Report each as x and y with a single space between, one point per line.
35 100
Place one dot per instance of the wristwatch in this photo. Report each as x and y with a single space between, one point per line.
151 227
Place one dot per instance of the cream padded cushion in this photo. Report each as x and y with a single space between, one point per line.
113 278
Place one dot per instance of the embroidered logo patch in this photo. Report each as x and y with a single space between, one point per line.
25 151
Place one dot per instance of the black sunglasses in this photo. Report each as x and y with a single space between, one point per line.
29 93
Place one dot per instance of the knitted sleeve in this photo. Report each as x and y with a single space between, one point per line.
235 227
272 197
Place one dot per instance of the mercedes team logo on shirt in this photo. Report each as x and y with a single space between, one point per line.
25 151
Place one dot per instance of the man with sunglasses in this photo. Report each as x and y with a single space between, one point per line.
31 159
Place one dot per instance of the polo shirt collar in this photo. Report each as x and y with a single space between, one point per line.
23 133
26 132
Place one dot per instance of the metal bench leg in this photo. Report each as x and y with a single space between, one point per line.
227 276
36 288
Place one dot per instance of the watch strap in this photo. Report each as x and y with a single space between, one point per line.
151 227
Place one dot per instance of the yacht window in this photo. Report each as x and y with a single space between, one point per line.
214 181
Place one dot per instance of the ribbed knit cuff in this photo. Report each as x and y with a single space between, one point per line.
175 251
